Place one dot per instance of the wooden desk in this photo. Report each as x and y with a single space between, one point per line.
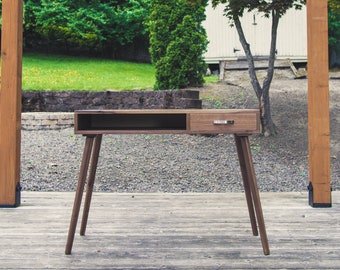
93 124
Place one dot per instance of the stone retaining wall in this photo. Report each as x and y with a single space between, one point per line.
50 101
54 110
46 120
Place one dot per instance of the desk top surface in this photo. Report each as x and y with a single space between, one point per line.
167 111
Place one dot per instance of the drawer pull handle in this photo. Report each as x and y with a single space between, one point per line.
224 122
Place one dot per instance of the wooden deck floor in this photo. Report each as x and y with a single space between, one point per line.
170 231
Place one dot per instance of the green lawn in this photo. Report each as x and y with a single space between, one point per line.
42 72
51 72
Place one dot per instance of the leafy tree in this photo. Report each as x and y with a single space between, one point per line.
177 42
334 6
334 32
271 9
97 25
333 27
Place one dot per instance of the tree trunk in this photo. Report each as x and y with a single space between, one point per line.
250 59
267 125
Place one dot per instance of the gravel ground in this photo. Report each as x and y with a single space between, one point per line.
190 163
150 163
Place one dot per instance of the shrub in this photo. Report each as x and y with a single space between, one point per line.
177 42
95 26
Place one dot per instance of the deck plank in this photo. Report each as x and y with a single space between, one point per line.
170 231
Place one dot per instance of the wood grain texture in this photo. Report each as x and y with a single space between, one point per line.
318 101
170 231
10 100
243 121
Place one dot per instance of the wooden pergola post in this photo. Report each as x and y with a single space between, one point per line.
10 102
318 104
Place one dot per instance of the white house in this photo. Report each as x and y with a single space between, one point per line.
224 42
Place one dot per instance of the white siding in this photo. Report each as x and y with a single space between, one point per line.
224 43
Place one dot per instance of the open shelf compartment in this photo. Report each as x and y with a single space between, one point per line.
130 121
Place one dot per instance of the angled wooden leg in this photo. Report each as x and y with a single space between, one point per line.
246 185
79 193
251 179
90 182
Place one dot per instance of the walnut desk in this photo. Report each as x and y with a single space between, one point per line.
94 123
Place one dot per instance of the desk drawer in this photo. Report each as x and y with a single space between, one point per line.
233 122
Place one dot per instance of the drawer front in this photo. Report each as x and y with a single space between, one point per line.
243 122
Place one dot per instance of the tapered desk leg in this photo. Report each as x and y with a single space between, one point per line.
79 193
248 171
246 185
90 182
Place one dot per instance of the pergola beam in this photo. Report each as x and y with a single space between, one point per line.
10 102
318 104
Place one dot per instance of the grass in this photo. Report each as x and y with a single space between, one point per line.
211 79
47 72
57 73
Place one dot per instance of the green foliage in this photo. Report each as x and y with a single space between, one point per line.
334 6
98 25
162 23
177 42
333 23
236 8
